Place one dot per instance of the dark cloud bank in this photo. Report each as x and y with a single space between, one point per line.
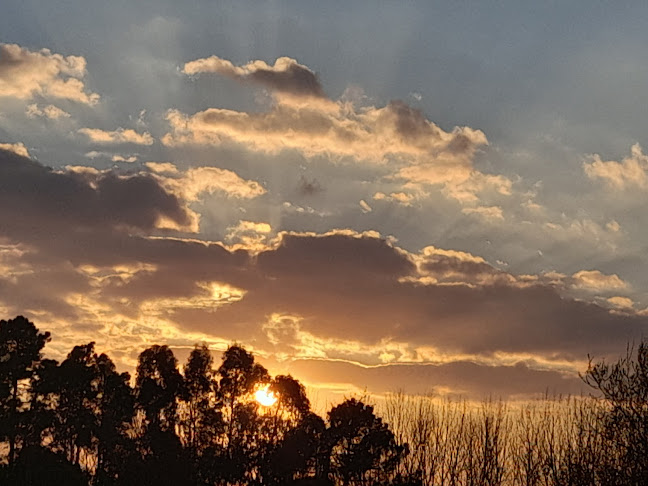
337 286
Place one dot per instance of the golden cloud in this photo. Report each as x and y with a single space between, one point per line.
194 183
17 148
596 281
25 74
121 135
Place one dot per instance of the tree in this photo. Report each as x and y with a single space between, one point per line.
20 352
76 416
624 385
361 447
201 419
290 434
115 409
297 456
239 376
158 385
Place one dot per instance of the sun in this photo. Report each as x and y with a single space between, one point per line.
265 397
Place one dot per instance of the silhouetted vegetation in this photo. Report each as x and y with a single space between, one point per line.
81 422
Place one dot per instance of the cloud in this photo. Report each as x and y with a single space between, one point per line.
40 201
120 158
119 136
593 280
409 149
162 167
25 74
394 133
398 197
285 76
461 378
630 172
50 111
364 206
17 148
623 303
248 235
491 213
195 182
340 295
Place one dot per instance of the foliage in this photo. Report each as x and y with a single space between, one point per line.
81 422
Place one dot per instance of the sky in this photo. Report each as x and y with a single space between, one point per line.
434 197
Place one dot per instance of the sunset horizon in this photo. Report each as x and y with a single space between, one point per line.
437 199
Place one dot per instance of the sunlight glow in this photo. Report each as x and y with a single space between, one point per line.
265 397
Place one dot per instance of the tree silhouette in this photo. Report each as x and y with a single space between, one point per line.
158 385
75 418
362 448
115 410
20 351
239 375
201 418
624 384
80 422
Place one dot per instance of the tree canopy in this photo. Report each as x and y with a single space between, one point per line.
82 420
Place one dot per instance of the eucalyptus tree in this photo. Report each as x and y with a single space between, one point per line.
77 394
115 410
158 386
20 353
240 453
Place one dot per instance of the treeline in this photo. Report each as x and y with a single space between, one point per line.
80 422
